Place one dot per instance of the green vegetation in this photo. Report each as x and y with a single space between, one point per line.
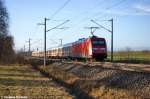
141 56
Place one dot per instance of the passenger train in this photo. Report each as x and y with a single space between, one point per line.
86 48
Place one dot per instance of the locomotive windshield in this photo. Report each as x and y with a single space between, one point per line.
98 43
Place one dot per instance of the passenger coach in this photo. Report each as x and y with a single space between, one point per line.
90 48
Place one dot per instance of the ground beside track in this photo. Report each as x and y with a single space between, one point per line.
24 81
100 82
119 66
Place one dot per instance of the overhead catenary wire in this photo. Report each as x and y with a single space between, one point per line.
107 8
55 34
54 41
110 7
45 31
57 26
36 42
59 9
99 13
76 17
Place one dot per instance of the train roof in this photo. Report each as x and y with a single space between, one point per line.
95 37
78 41
66 45
84 39
57 47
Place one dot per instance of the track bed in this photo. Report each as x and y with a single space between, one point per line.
102 83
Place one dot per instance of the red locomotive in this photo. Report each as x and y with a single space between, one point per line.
90 48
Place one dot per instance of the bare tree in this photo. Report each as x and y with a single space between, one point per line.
6 41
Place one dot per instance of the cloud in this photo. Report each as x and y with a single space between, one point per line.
133 10
113 12
124 13
142 8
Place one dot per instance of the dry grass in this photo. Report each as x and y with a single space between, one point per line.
111 93
69 78
103 83
24 81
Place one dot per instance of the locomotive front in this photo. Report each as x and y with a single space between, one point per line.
99 48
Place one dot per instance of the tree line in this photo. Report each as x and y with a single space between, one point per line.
6 40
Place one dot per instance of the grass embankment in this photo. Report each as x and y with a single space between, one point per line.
25 81
101 83
65 79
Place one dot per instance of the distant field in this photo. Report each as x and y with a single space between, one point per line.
24 81
132 55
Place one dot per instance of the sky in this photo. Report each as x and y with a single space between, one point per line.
131 22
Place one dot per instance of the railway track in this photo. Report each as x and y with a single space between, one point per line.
102 80
109 65
107 83
117 66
